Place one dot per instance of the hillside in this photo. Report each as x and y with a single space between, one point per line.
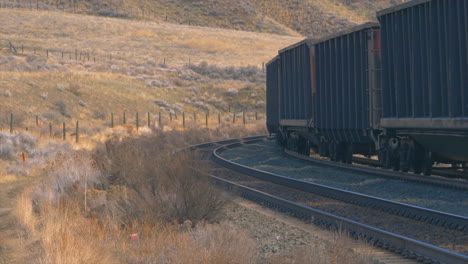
70 66
313 18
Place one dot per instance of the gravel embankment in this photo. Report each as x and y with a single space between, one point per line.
269 157
451 239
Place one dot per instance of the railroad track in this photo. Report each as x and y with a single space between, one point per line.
431 180
405 246
437 171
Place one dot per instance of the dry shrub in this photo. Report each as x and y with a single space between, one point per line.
86 210
11 145
157 181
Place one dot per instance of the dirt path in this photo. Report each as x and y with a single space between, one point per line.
15 244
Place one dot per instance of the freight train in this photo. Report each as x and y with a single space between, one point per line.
397 89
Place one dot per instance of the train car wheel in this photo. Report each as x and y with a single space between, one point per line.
383 158
306 148
333 152
348 155
324 149
427 165
404 157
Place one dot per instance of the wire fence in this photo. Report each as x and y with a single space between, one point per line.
135 120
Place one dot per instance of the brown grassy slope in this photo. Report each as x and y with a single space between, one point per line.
308 17
317 18
134 78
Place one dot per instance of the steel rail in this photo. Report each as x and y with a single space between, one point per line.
437 171
402 245
448 220
451 183
405 246
227 141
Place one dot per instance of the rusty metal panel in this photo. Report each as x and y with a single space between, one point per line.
295 82
272 104
424 60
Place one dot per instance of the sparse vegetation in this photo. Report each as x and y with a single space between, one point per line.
312 18
132 200
122 195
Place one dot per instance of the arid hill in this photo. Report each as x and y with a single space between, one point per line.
313 18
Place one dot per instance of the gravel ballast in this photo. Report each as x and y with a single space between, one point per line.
267 156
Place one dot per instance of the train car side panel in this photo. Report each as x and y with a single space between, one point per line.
343 83
295 83
272 90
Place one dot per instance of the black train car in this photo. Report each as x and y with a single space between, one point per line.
425 83
347 91
295 104
329 93
272 118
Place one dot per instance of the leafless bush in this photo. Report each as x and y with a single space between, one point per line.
159 182
12 144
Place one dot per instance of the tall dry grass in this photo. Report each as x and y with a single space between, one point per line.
137 199
90 203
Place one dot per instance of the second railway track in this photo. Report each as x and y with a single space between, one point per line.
410 230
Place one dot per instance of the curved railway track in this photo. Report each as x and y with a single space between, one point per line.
281 193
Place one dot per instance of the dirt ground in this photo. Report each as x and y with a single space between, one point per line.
15 243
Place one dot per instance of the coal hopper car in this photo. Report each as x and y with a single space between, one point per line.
425 84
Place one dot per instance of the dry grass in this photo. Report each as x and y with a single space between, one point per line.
271 16
335 251
85 209
63 90
131 200
137 41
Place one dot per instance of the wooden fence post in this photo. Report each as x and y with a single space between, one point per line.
77 133
243 118
195 117
64 132
219 118
160 120
233 118
50 129
124 119
206 119
149 121
183 119
37 120
137 122
11 123
112 120
170 116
